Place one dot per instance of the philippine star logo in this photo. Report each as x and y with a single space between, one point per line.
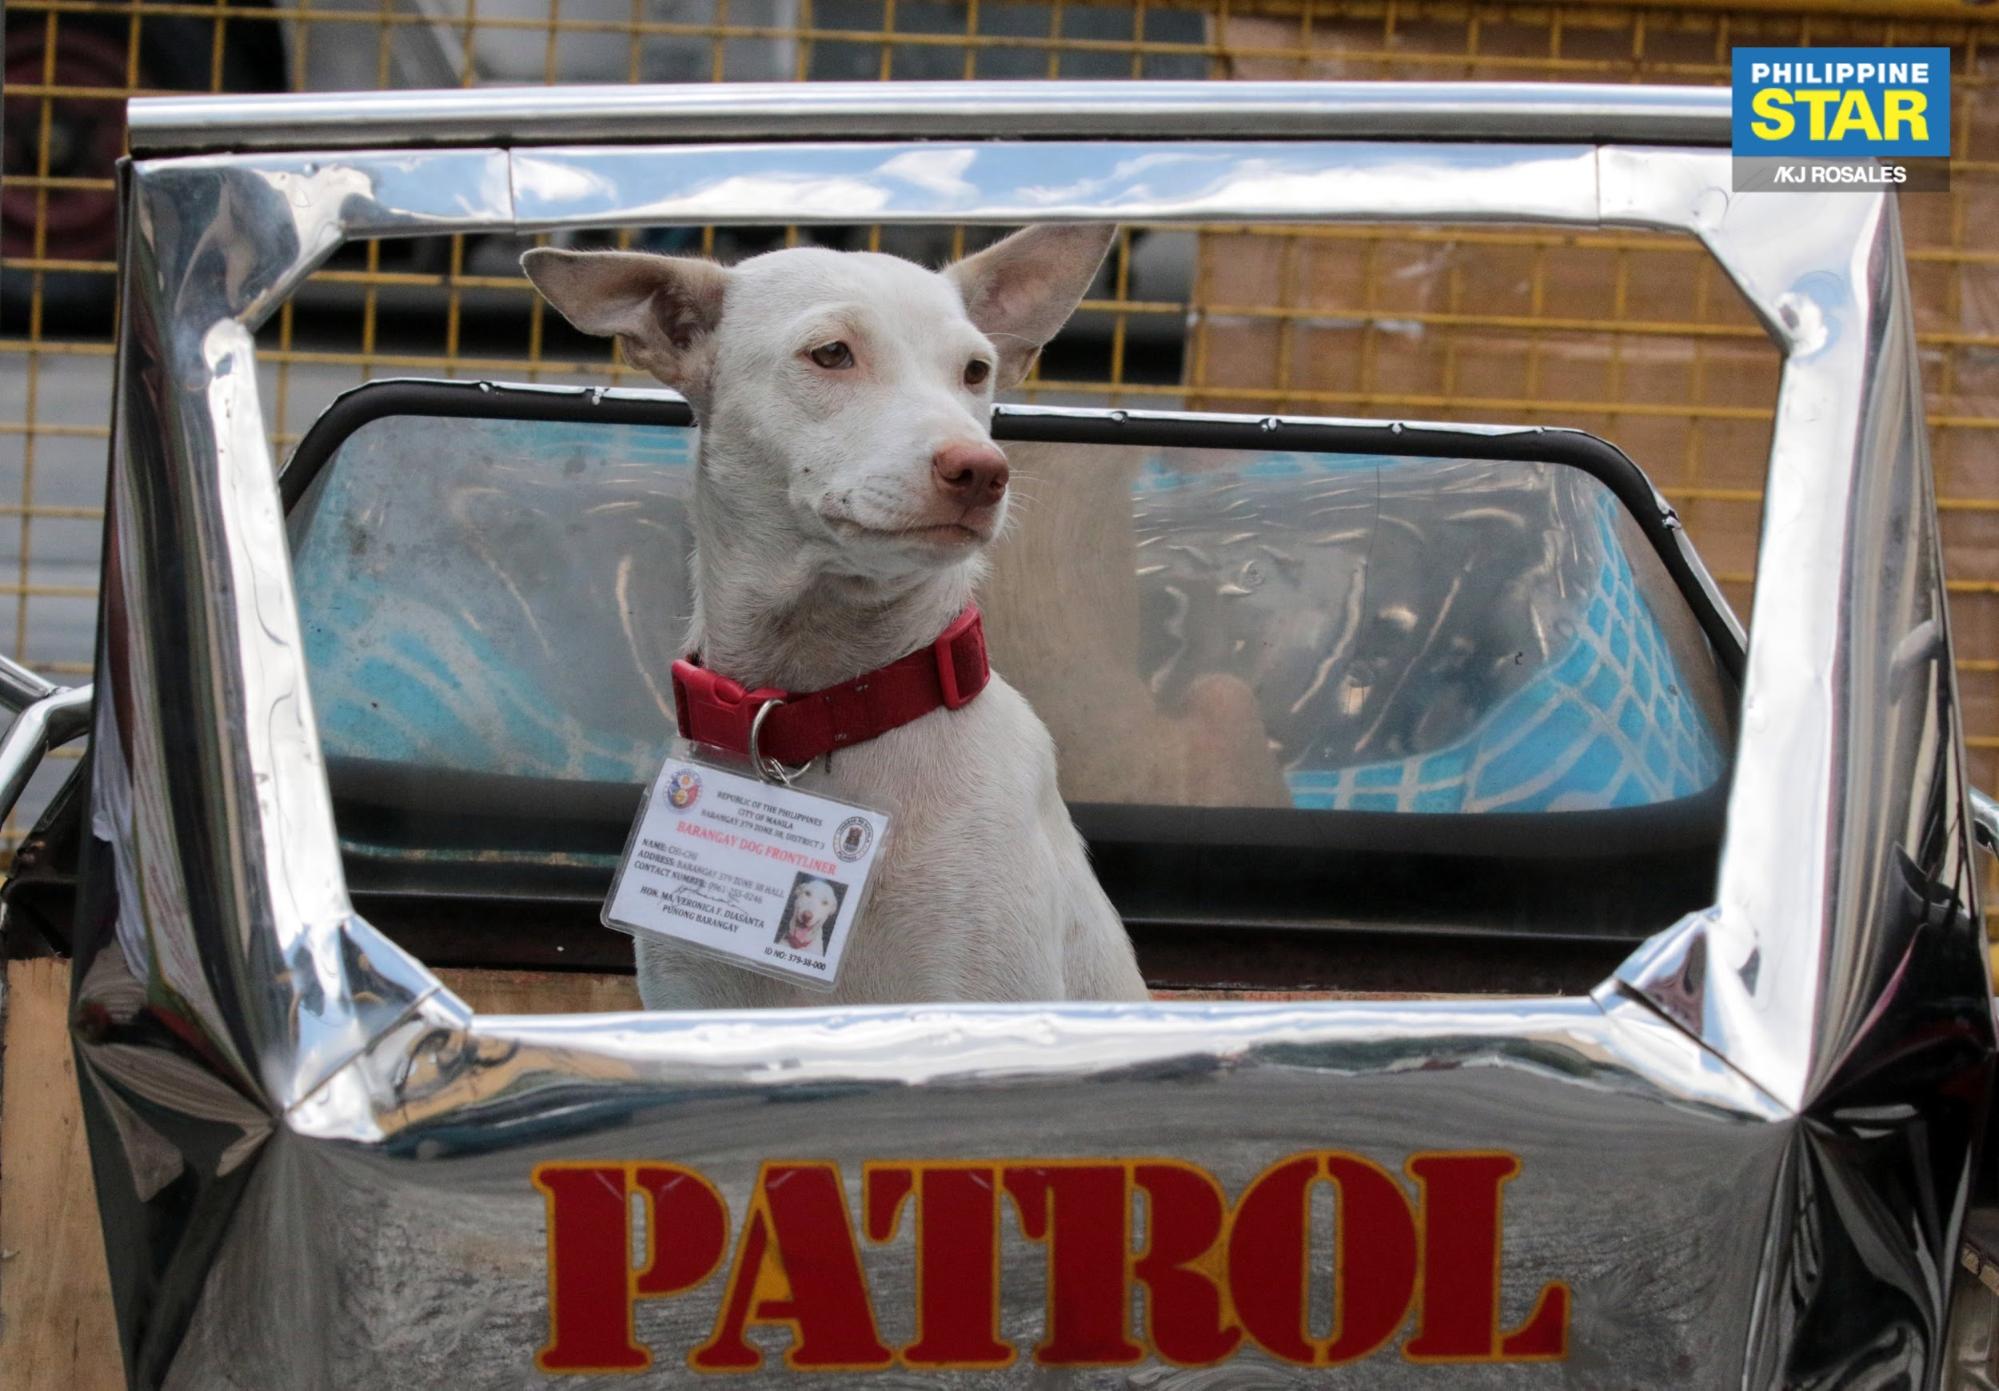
1816 119
682 788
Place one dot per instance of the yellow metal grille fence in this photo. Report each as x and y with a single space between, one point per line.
1633 335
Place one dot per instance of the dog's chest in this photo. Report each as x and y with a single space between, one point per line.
975 889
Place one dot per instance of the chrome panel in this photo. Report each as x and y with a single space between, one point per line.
935 111
1847 946
430 1189
1836 692
997 181
42 725
241 233
311 1159
240 898
19 687
1985 819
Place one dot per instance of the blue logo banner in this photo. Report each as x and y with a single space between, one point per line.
1842 103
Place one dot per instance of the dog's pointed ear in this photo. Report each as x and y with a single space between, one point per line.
1020 291
663 310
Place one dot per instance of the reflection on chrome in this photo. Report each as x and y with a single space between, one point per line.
999 182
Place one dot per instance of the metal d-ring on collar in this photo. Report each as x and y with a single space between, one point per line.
769 769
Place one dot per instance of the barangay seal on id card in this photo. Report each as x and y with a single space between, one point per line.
852 839
682 788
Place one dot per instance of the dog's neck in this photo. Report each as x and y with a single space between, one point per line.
766 613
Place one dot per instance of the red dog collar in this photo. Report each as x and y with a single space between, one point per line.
803 725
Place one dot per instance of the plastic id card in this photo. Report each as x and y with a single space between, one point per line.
766 876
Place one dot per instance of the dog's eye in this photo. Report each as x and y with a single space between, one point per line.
834 356
976 371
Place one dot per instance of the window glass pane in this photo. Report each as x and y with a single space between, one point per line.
1285 685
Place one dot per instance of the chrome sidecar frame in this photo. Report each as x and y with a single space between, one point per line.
1743 1160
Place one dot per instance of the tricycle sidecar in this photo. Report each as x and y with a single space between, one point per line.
331 714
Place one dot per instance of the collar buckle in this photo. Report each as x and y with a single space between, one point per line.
965 630
712 709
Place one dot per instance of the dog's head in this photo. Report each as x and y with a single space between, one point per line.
845 397
812 907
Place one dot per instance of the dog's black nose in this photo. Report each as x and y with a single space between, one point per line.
974 474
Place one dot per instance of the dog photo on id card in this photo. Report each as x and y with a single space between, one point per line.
809 914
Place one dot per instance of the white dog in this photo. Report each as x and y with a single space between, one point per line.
846 491
813 906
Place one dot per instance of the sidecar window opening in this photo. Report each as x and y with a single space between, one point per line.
1355 692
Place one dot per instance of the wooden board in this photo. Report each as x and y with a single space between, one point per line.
541 992
56 1322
